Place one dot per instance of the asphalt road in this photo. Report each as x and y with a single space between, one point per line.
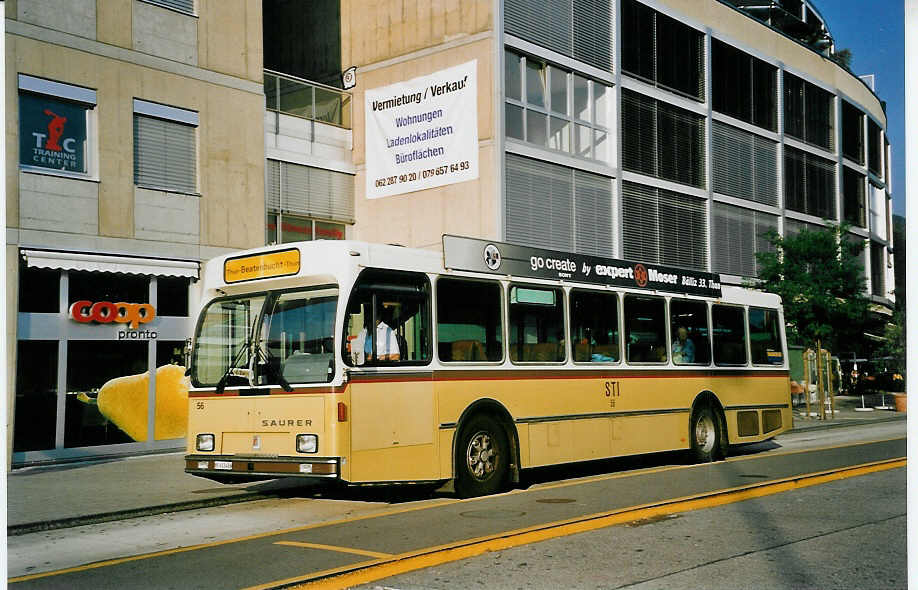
284 540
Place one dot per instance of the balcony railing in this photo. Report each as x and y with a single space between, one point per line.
309 100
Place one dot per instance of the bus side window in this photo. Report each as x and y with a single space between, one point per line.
645 329
594 327
536 324
729 335
469 326
765 337
688 328
388 319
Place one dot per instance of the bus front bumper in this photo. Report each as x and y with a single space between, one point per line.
230 465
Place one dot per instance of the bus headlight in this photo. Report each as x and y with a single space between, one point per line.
205 442
307 443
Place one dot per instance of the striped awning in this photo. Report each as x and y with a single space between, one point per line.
105 263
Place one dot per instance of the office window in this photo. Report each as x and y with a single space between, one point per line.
809 183
165 147
855 211
663 227
305 203
556 109
662 50
874 155
54 125
545 201
739 234
186 6
743 86
877 269
662 140
808 113
852 132
575 28
745 164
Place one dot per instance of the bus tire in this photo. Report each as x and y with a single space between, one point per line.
706 435
482 457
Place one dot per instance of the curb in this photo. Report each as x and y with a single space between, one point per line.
63 523
836 423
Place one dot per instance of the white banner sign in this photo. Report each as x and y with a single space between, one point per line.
422 133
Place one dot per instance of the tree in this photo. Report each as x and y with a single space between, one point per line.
820 279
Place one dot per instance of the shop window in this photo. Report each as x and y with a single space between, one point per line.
691 344
729 335
172 296
39 290
36 395
536 325
294 228
95 287
765 337
594 327
559 110
388 320
165 147
645 329
469 326
170 352
124 407
54 126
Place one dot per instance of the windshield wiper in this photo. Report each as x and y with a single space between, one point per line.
221 384
265 355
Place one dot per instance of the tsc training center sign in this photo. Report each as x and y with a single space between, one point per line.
422 133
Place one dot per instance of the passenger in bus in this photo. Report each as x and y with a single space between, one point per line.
683 347
387 348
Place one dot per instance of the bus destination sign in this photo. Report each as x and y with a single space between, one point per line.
476 255
261 266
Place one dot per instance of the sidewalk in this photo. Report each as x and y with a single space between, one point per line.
59 496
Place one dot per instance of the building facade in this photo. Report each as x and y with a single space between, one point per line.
135 150
154 134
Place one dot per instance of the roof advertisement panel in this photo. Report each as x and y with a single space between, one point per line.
488 256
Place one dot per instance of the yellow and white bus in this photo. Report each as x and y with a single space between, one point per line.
370 363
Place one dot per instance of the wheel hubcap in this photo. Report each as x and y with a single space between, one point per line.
705 433
481 456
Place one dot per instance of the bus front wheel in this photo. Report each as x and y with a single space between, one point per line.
706 435
482 457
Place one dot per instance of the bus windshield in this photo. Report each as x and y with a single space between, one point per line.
294 339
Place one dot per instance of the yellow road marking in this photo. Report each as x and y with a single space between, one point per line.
335 548
415 560
402 510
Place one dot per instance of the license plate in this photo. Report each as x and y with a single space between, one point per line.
226 465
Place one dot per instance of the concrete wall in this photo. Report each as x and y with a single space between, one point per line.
230 141
373 32
419 219
165 33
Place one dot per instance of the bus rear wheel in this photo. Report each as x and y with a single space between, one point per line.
707 435
482 457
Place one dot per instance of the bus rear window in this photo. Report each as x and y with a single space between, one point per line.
729 335
765 337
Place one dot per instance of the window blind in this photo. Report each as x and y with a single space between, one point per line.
852 132
186 6
580 29
593 214
663 226
745 164
853 197
809 183
738 234
165 155
313 192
